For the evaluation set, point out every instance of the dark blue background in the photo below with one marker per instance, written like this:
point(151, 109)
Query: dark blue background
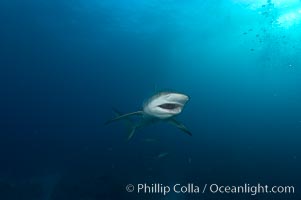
point(65, 64)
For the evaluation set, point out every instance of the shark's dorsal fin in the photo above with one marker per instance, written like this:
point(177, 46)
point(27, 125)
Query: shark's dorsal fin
point(124, 116)
point(179, 125)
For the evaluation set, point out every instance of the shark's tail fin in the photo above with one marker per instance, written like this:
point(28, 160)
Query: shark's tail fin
point(129, 122)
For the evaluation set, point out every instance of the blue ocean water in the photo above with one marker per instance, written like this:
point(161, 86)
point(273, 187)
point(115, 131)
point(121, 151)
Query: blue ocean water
point(65, 65)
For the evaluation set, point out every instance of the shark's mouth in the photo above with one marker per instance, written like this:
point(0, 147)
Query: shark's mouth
point(170, 106)
point(165, 105)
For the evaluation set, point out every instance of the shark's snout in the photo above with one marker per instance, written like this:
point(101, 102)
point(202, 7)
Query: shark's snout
point(166, 105)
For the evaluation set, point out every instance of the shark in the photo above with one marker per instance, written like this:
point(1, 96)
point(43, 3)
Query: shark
point(163, 106)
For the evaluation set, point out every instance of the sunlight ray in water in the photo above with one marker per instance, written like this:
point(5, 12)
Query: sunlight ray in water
point(256, 4)
point(287, 13)
point(289, 19)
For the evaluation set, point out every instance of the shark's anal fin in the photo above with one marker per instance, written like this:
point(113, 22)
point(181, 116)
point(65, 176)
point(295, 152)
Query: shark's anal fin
point(180, 126)
point(133, 129)
point(124, 116)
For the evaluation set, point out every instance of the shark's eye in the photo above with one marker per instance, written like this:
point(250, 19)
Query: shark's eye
point(169, 106)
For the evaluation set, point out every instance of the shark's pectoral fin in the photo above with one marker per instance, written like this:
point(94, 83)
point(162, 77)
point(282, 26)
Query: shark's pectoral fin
point(116, 112)
point(123, 116)
point(180, 126)
point(129, 122)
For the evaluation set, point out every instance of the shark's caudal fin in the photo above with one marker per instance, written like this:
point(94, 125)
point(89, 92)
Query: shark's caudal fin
point(129, 123)
point(180, 126)
point(125, 116)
